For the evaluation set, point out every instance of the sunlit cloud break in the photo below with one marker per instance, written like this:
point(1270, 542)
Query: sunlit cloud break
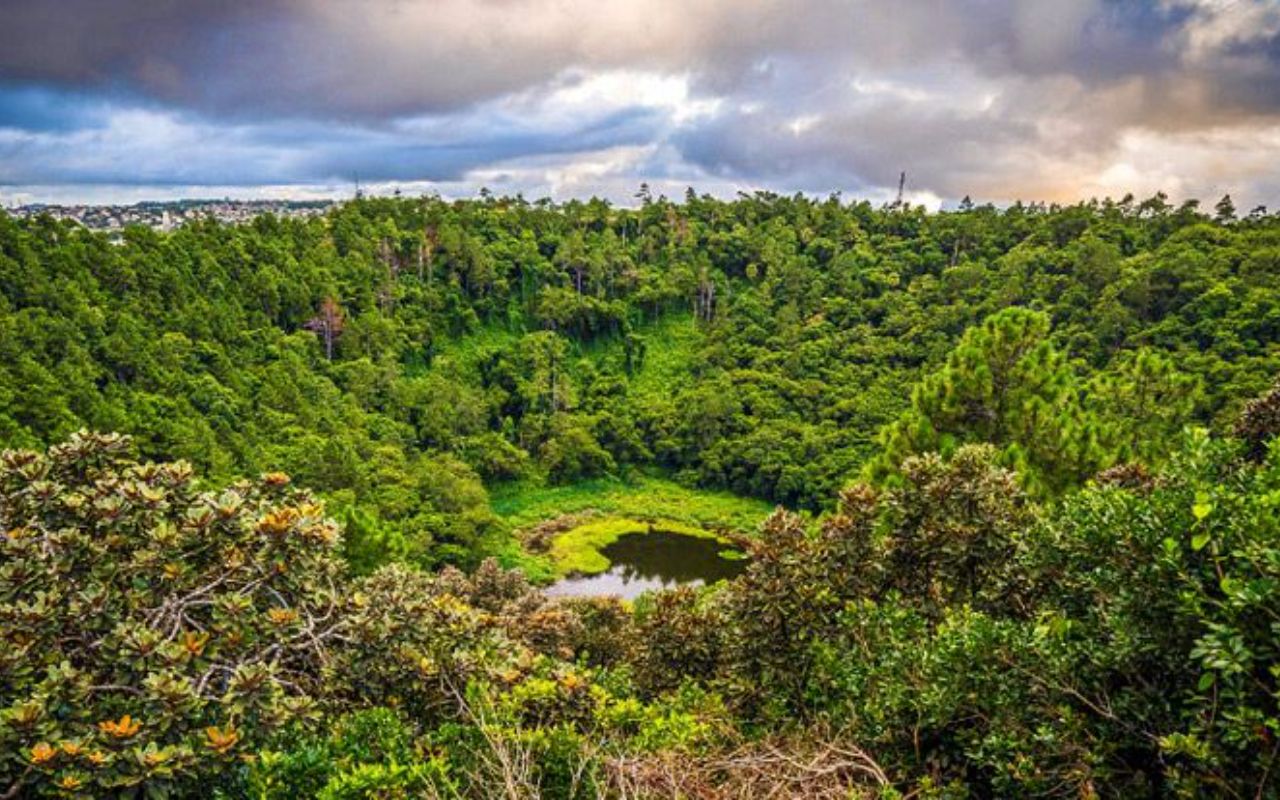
point(999, 100)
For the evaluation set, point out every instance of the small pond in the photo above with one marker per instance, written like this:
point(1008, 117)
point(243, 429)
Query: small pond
point(641, 562)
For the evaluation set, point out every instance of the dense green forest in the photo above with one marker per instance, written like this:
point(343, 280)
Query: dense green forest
point(398, 356)
point(1029, 542)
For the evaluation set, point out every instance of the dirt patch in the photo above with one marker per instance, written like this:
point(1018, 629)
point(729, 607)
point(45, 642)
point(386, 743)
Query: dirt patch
point(537, 538)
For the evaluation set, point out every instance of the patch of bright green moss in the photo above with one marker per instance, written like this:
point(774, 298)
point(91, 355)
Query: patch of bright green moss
point(577, 551)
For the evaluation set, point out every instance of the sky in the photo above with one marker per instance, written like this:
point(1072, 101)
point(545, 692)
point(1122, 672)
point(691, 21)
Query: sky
point(998, 100)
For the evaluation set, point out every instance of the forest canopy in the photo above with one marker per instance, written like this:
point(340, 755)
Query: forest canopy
point(399, 355)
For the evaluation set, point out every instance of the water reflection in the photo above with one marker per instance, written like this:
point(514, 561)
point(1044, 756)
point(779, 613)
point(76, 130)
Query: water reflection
point(642, 562)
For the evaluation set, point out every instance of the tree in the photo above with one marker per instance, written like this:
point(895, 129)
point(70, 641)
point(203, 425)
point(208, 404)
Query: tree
point(328, 323)
point(951, 529)
point(1142, 402)
point(1259, 423)
point(1005, 384)
point(571, 450)
point(1224, 210)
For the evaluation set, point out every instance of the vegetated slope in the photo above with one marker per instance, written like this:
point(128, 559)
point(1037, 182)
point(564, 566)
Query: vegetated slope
point(398, 355)
point(943, 636)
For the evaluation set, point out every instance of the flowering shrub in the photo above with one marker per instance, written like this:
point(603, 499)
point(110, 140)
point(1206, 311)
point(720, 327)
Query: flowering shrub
point(150, 632)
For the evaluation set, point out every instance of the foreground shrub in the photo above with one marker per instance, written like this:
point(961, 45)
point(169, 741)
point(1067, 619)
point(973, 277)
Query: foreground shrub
point(161, 640)
point(371, 753)
point(942, 536)
point(1135, 655)
point(152, 633)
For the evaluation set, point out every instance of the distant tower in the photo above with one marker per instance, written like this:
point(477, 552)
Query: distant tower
point(902, 184)
point(359, 191)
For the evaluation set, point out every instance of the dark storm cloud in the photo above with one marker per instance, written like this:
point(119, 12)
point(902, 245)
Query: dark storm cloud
point(394, 57)
point(393, 156)
point(170, 50)
point(252, 58)
point(142, 147)
point(37, 108)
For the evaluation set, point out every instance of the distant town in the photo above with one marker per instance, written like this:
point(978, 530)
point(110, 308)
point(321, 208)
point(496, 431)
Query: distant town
point(169, 215)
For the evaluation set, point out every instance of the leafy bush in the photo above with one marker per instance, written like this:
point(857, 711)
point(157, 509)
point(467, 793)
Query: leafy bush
point(940, 635)
point(371, 753)
point(158, 636)
point(153, 632)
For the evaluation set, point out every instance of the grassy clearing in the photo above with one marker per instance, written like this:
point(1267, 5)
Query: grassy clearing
point(644, 498)
point(671, 347)
point(672, 343)
point(538, 569)
point(466, 351)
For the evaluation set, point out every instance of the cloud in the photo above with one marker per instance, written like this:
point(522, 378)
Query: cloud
point(389, 58)
point(995, 98)
point(51, 137)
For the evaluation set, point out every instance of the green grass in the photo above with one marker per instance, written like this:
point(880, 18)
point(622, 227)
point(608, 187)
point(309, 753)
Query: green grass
point(643, 497)
point(671, 347)
point(465, 351)
point(538, 569)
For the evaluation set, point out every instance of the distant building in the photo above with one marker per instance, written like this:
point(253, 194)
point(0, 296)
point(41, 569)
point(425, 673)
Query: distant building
point(169, 215)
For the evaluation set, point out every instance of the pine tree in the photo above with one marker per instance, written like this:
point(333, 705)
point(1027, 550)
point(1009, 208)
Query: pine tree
point(1004, 384)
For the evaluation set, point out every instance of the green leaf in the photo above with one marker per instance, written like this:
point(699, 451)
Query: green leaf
point(1206, 680)
point(1199, 541)
point(1202, 509)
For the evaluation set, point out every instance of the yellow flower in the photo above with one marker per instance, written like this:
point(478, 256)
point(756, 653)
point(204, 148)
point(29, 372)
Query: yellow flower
point(123, 728)
point(276, 479)
point(42, 753)
point(72, 749)
point(571, 681)
point(282, 616)
point(70, 783)
point(194, 643)
point(97, 758)
point(278, 522)
point(221, 741)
